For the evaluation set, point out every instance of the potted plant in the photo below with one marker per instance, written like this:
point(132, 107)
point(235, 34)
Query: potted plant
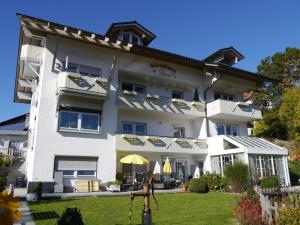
point(115, 186)
point(37, 190)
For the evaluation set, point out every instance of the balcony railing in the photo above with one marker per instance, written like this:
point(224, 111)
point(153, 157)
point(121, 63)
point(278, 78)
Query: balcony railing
point(84, 86)
point(13, 152)
point(138, 143)
point(234, 111)
point(31, 52)
point(133, 100)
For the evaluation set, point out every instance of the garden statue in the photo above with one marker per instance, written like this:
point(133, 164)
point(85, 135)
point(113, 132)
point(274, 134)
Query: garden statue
point(147, 184)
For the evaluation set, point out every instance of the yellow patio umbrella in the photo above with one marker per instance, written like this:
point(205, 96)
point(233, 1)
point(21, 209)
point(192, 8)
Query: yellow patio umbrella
point(134, 159)
point(167, 166)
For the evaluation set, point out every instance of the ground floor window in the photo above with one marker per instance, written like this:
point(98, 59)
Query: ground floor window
point(76, 167)
point(266, 165)
point(221, 161)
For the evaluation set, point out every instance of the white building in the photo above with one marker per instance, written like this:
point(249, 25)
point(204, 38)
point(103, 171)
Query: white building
point(95, 99)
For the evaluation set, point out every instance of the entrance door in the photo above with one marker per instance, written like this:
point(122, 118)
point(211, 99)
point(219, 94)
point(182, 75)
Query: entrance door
point(180, 171)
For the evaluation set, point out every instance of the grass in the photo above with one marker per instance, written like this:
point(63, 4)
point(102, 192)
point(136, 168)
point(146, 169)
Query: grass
point(181, 209)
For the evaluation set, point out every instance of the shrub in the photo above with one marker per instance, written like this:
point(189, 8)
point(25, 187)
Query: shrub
point(71, 216)
point(5, 161)
point(269, 182)
point(198, 185)
point(251, 192)
point(38, 189)
point(289, 213)
point(237, 176)
point(214, 181)
point(294, 169)
point(248, 211)
point(3, 182)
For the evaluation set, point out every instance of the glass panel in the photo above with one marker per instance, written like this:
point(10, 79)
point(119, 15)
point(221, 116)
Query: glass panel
point(68, 119)
point(139, 89)
point(220, 129)
point(234, 130)
point(217, 96)
point(86, 173)
point(180, 170)
point(127, 86)
point(90, 121)
point(126, 37)
point(68, 173)
point(135, 39)
point(177, 94)
point(72, 68)
point(86, 70)
point(140, 129)
point(228, 130)
point(179, 132)
point(216, 164)
point(127, 128)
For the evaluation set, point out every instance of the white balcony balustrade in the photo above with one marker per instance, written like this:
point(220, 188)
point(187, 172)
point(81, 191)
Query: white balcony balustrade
point(75, 84)
point(133, 100)
point(233, 111)
point(138, 143)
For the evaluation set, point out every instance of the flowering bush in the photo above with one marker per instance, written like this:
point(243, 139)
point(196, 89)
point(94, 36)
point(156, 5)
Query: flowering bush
point(248, 211)
point(214, 181)
point(289, 213)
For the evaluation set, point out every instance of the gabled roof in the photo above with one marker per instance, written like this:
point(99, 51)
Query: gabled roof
point(149, 36)
point(225, 55)
point(29, 23)
point(14, 124)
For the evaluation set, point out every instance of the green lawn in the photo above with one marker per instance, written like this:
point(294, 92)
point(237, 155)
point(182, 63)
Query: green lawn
point(181, 209)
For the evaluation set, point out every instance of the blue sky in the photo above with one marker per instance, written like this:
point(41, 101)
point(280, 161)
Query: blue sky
point(257, 28)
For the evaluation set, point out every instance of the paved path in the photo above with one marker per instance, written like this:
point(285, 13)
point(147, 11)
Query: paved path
point(26, 219)
point(22, 194)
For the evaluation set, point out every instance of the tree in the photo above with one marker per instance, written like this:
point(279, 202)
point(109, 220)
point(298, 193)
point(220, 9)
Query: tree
point(284, 66)
point(290, 103)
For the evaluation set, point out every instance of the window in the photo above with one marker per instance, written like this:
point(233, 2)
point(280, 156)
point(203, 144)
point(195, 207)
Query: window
point(223, 96)
point(134, 128)
point(133, 87)
point(140, 128)
point(128, 128)
point(86, 173)
point(131, 38)
point(83, 70)
point(227, 129)
point(81, 121)
point(177, 94)
point(179, 132)
point(69, 120)
point(89, 121)
point(69, 173)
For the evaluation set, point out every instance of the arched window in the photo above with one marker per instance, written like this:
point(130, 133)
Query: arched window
point(131, 38)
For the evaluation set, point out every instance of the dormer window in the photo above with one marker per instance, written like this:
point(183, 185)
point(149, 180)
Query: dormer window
point(131, 38)
point(131, 32)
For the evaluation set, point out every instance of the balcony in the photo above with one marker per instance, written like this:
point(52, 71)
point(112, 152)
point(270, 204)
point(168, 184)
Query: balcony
point(9, 152)
point(133, 100)
point(31, 52)
point(74, 84)
point(138, 143)
point(233, 111)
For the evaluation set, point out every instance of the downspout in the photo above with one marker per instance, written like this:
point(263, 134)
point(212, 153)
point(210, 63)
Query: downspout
point(205, 102)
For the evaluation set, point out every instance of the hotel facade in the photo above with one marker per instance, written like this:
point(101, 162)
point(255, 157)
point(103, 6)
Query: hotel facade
point(96, 98)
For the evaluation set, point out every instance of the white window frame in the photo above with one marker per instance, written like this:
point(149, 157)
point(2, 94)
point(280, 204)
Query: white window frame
point(134, 86)
point(130, 37)
point(78, 69)
point(222, 96)
point(134, 127)
point(79, 127)
point(75, 174)
point(225, 130)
